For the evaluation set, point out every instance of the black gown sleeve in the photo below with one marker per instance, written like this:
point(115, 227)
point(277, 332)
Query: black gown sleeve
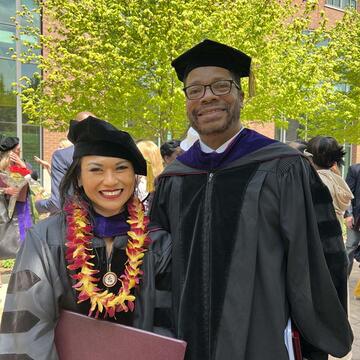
point(163, 323)
point(330, 235)
point(159, 212)
point(32, 303)
point(315, 257)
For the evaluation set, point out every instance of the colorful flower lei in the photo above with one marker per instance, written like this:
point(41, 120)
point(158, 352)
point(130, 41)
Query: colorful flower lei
point(79, 254)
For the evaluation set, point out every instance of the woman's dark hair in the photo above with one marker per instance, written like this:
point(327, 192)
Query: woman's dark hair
point(167, 148)
point(326, 151)
point(70, 184)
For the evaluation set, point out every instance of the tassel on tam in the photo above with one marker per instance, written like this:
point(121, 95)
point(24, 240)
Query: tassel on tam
point(252, 82)
point(150, 178)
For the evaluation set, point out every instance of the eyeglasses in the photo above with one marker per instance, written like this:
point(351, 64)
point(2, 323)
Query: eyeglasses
point(220, 87)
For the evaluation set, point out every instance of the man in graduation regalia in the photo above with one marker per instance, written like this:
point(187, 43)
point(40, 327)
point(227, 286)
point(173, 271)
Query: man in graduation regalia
point(255, 237)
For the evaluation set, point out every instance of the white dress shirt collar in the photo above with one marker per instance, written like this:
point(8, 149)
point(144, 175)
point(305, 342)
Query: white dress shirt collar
point(206, 149)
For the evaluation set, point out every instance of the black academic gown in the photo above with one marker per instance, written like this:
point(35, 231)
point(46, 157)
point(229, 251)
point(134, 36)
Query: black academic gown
point(249, 241)
point(40, 287)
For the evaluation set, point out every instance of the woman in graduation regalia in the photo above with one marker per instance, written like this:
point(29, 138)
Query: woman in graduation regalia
point(15, 198)
point(98, 256)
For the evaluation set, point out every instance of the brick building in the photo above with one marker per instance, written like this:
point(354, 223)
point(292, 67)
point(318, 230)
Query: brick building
point(334, 11)
point(41, 142)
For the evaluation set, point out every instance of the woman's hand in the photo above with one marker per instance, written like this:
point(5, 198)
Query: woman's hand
point(42, 162)
point(12, 191)
point(16, 160)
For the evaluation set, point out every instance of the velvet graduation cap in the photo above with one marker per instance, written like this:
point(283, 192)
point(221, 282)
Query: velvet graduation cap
point(93, 136)
point(8, 143)
point(212, 53)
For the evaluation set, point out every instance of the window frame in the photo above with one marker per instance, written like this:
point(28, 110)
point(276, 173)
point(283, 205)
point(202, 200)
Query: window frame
point(352, 4)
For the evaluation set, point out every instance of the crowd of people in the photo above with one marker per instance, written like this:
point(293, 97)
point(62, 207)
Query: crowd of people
point(227, 239)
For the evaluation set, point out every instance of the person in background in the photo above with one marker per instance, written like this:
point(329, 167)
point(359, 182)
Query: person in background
point(145, 185)
point(120, 269)
point(64, 143)
point(327, 156)
point(244, 212)
point(60, 163)
point(352, 214)
point(170, 150)
point(9, 229)
point(43, 163)
point(191, 137)
point(10, 155)
point(15, 158)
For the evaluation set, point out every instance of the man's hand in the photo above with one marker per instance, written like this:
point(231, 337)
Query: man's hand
point(349, 222)
point(16, 160)
point(12, 191)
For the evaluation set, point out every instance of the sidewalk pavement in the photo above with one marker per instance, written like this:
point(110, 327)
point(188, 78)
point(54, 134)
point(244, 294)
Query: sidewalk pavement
point(355, 311)
point(354, 308)
point(5, 279)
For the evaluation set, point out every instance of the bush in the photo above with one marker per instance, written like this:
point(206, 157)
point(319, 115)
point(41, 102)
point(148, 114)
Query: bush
point(7, 264)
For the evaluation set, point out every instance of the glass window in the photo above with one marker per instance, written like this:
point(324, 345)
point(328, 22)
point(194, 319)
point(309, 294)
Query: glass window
point(289, 134)
point(7, 77)
point(7, 98)
point(280, 134)
point(7, 125)
point(31, 5)
point(7, 10)
point(342, 87)
point(341, 4)
point(347, 160)
point(31, 134)
point(29, 70)
point(27, 41)
point(6, 39)
point(292, 131)
point(32, 72)
point(31, 144)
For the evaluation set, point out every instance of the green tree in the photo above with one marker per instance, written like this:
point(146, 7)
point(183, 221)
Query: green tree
point(343, 119)
point(113, 58)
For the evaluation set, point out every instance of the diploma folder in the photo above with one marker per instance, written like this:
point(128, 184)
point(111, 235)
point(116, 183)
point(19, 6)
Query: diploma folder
point(79, 337)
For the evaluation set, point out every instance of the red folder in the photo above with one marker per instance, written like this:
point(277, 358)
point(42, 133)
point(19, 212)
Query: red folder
point(79, 337)
point(296, 344)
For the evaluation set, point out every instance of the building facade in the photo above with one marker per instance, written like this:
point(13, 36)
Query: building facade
point(41, 142)
point(334, 11)
point(12, 121)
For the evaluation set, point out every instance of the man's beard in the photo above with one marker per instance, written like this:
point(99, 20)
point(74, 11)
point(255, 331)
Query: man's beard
point(233, 117)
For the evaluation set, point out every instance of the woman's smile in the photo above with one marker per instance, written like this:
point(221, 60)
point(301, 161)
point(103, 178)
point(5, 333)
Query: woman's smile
point(111, 194)
point(108, 182)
